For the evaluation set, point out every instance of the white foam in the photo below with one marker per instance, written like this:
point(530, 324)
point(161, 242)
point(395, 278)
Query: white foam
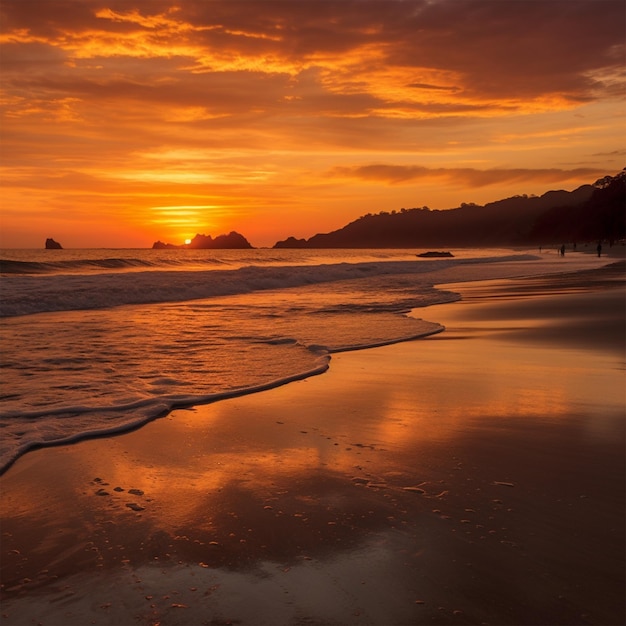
point(26, 295)
point(94, 354)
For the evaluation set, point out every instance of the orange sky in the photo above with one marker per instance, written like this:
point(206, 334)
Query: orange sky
point(129, 121)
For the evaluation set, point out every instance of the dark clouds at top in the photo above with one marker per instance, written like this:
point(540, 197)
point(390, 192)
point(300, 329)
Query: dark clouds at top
point(512, 48)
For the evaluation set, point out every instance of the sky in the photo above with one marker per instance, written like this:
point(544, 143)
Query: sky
point(125, 122)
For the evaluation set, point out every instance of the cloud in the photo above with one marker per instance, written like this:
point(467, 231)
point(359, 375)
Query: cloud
point(462, 176)
point(418, 54)
point(613, 153)
point(284, 97)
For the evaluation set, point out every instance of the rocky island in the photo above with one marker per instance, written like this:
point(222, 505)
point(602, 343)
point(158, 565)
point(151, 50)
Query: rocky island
point(51, 244)
point(434, 254)
point(205, 242)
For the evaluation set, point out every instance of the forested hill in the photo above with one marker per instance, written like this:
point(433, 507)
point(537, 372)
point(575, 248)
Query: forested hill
point(589, 213)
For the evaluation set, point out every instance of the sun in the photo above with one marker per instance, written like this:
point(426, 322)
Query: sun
point(187, 242)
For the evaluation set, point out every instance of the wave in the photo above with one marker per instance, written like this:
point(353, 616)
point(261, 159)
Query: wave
point(11, 266)
point(99, 421)
point(111, 420)
point(26, 295)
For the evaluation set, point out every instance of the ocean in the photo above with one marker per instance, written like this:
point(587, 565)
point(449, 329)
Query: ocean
point(97, 342)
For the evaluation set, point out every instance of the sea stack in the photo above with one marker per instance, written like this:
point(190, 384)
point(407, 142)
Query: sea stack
point(51, 244)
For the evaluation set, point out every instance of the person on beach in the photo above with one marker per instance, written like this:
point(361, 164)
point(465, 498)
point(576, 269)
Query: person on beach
point(563, 250)
point(599, 248)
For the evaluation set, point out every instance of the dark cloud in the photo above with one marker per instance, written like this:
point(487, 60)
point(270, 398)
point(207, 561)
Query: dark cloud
point(512, 49)
point(429, 87)
point(19, 59)
point(466, 177)
point(516, 48)
point(227, 92)
point(46, 19)
point(613, 153)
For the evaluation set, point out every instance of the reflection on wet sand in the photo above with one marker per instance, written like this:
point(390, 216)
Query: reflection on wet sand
point(471, 477)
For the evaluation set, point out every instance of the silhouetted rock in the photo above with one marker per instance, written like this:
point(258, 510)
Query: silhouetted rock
point(435, 254)
point(159, 245)
point(232, 240)
point(205, 242)
point(292, 242)
point(51, 244)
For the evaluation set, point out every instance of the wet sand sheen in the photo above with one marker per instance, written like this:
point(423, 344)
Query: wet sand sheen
point(476, 476)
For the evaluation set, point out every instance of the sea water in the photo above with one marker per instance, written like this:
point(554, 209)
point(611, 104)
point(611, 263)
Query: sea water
point(101, 341)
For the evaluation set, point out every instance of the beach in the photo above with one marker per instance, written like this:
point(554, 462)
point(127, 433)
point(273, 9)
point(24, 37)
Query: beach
point(475, 476)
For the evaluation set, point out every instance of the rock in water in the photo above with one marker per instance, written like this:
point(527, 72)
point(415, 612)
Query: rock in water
point(51, 244)
point(435, 254)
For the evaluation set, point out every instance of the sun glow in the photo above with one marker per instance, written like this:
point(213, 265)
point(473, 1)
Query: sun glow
point(254, 125)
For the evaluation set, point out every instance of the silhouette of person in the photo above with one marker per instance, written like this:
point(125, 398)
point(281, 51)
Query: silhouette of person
point(563, 250)
point(599, 248)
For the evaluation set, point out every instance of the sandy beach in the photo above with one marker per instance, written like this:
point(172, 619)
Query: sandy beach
point(473, 477)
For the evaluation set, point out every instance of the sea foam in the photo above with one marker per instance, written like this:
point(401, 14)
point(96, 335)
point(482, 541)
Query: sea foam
point(99, 353)
point(29, 294)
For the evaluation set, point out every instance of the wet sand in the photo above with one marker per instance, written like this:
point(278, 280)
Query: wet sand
point(473, 477)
